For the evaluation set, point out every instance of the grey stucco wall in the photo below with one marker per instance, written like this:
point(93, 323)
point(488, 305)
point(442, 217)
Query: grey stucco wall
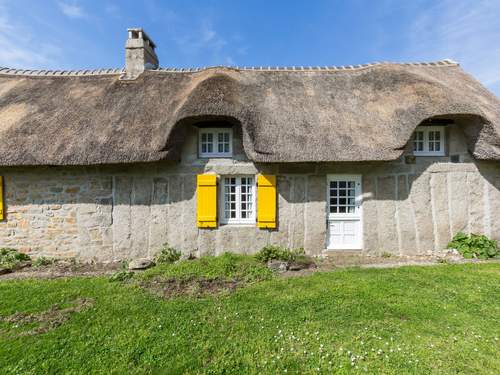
point(118, 212)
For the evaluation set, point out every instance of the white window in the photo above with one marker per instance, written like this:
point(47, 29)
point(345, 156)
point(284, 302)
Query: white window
point(342, 196)
point(238, 200)
point(429, 141)
point(215, 142)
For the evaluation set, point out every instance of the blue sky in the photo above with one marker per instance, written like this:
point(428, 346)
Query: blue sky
point(77, 34)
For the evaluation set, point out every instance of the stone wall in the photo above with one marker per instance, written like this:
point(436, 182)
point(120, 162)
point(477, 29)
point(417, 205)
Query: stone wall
point(117, 212)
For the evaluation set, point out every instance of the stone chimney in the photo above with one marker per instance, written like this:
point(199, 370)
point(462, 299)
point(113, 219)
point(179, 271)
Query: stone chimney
point(140, 53)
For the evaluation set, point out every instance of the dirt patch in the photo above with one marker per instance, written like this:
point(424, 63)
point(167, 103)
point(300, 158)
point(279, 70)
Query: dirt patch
point(337, 262)
point(62, 269)
point(194, 287)
point(47, 320)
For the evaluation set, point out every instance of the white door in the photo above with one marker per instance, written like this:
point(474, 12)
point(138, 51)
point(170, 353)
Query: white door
point(345, 230)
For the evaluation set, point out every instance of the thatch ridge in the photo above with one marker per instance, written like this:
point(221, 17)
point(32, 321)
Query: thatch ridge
point(104, 71)
point(357, 113)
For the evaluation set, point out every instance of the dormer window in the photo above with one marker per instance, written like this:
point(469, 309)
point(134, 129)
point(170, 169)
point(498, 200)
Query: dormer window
point(429, 141)
point(215, 142)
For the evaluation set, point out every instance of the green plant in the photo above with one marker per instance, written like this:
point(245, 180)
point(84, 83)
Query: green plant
point(121, 276)
point(386, 254)
point(275, 252)
point(10, 258)
point(43, 261)
point(474, 246)
point(167, 255)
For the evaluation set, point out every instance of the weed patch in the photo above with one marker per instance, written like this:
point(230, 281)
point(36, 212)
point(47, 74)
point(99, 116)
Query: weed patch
point(474, 246)
point(203, 276)
point(11, 258)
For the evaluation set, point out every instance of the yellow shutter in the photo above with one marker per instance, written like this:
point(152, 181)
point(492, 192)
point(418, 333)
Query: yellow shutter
point(207, 200)
point(266, 198)
point(2, 215)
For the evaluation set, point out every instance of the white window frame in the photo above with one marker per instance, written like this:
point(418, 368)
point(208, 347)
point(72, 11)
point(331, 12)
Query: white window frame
point(426, 130)
point(238, 219)
point(215, 142)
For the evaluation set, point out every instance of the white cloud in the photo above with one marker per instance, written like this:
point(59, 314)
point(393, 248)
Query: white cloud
point(19, 49)
point(113, 10)
point(465, 31)
point(72, 10)
point(203, 40)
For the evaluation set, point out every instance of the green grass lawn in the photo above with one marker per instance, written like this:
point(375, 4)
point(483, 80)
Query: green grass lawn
point(412, 320)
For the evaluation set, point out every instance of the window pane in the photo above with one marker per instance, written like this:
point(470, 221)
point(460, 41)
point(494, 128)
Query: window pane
point(229, 197)
point(343, 200)
point(223, 142)
point(418, 141)
point(238, 198)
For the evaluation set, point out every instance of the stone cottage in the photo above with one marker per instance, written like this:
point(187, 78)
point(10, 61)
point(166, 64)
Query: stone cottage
point(111, 164)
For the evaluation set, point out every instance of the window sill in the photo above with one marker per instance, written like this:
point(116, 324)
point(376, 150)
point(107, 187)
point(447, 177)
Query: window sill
point(239, 224)
point(216, 156)
point(428, 154)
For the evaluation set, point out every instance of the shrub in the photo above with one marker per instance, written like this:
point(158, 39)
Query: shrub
point(474, 246)
point(121, 276)
point(43, 261)
point(274, 252)
point(167, 255)
point(10, 258)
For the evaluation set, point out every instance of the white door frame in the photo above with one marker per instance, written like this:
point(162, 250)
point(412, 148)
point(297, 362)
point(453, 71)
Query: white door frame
point(342, 217)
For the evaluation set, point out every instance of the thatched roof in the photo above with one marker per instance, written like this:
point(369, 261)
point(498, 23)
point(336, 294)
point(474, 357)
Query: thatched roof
point(286, 114)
